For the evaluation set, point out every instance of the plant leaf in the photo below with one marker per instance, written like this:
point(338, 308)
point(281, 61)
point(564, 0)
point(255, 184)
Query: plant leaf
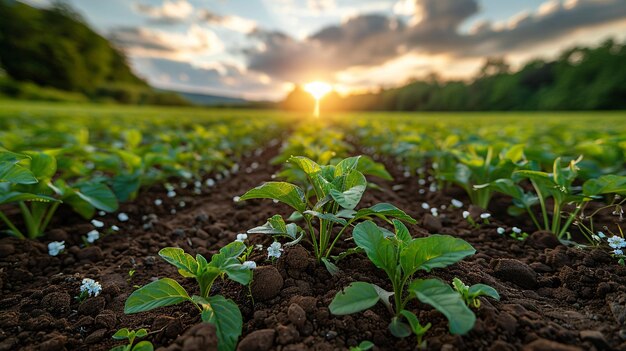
point(328, 217)
point(608, 184)
point(349, 198)
point(445, 300)
point(143, 346)
point(286, 193)
point(121, 334)
point(435, 251)
point(99, 196)
point(368, 236)
point(305, 164)
point(484, 290)
point(356, 297)
point(398, 328)
point(15, 196)
point(160, 293)
point(186, 264)
point(226, 317)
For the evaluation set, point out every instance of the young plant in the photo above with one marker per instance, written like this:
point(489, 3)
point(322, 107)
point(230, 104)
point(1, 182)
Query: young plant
point(336, 192)
point(215, 309)
point(556, 185)
point(26, 179)
point(131, 335)
point(471, 294)
point(363, 346)
point(474, 168)
point(401, 257)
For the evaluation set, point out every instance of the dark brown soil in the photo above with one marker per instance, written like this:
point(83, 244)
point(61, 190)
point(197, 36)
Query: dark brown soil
point(553, 297)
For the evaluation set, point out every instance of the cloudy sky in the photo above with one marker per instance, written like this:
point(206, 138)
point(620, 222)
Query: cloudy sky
point(258, 48)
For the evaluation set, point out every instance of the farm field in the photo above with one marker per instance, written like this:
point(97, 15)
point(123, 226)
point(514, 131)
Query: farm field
point(98, 192)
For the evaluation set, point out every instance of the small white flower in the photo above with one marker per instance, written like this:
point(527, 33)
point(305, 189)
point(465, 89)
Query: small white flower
point(102, 213)
point(171, 193)
point(456, 203)
point(258, 247)
point(601, 235)
point(422, 191)
point(274, 250)
point(122, 217)
point(406, 174)
point(241, 237)
point(115, 228)
point(466, 214)
point(616, 242)
point(91, 286)
point(425, 206)
point(434, 211)
point(500, 230)
point(618, 252)
point(595, 237)
point(485, 215)
point(56, 247)
point(209, 182)
point(96, 223)
point(421, 182)
point(93, 236)
point(197, 184)
point(182, 204)
point(250, 264)
point(516, 230)
point(254, 165)
point(158, 202)
point(432, 188)
point(443, 207)
point(236, 198)
point(173, 211)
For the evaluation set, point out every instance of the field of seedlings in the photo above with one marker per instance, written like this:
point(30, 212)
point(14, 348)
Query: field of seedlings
point(137, 228)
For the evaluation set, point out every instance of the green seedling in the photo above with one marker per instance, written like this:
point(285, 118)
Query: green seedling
point(401, 257)
point(337, 191)
point(363, 346)
point(471, 294)
point(416, 327)
point(557, 185)
point(26, 180)
point(476, 167)
point(214, 309)
point(131, 335)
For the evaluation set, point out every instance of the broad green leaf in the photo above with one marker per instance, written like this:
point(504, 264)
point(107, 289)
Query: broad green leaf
point(515, 153)
point(484, 290)
point(226, 317)
point(368, 236)
point(42, 165)
point(286, 193)
point(99, 196)
point(398, 328)
point(160, 293)
point(143, 346)
point(305, 164)
point(346, 165)
point(141, 333)
point(10, 172)
point(608, 184)
point(445, 300)
point(133, 138)
point(205, 278)
point(125, 186)
point(356, 297)
point(121, 334)
point(368, 166)
point(504, 186)
point(119, 348)
point(16, 196)
point(435, 251)
point(186, 264)
point(365, 345)
point(402, 232)
point(415, 324)
point(349, 198)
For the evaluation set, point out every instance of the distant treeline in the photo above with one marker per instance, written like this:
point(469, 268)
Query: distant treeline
point(579, 79)
point(51, 54)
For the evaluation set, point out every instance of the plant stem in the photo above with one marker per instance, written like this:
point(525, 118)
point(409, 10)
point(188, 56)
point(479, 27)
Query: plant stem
point(29, 220)
point(569, 221)
point(542, 202)
point(313, 238)
point(10, 224)
point(49, 215)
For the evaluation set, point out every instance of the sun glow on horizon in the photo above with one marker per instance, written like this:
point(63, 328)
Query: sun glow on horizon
point(318, 90)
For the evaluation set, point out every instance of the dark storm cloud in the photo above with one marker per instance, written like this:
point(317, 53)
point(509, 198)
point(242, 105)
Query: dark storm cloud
point(369, 40)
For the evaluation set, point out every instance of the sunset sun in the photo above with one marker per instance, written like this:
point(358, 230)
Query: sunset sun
point(318, 90)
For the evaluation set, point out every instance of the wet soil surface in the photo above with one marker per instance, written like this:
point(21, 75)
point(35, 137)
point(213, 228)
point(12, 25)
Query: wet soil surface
point(553, 297)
